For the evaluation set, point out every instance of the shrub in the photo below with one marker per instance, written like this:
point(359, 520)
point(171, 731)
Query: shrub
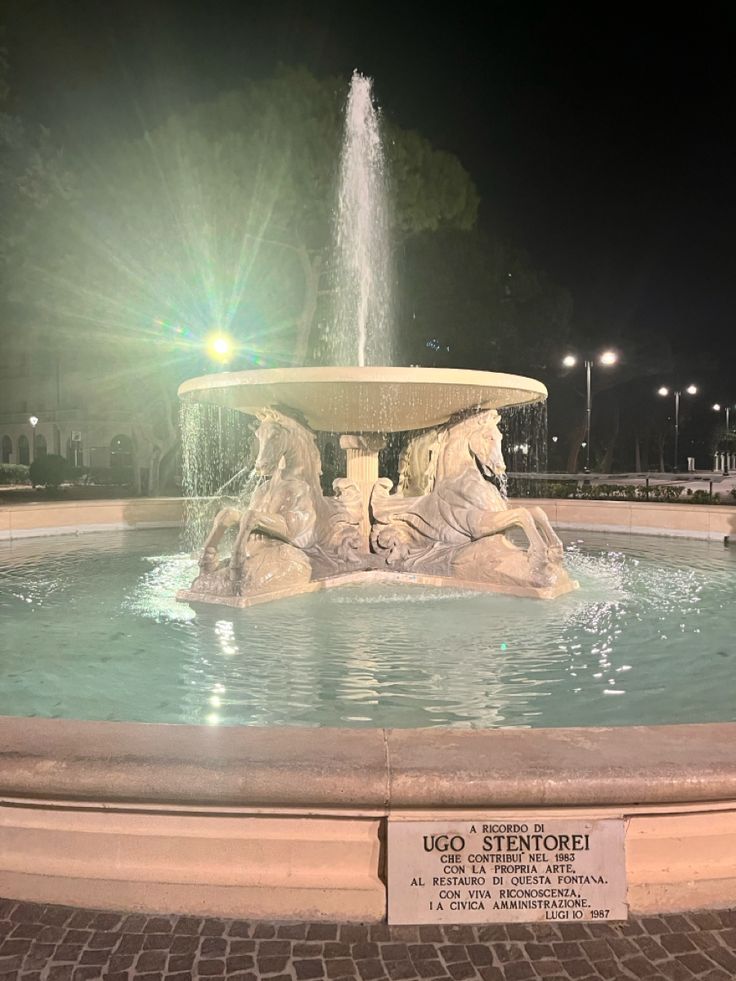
point(109, 476)
point(703, 497)
point(49, 470)
point(14, 473)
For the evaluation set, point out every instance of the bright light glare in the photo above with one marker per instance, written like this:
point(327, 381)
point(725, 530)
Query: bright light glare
point(569, 361)
point(716, 407)
point(33, 421)
point(609, 357)
point(555, 438)
point(220, 347)
point(663, 391)
point(692, 390)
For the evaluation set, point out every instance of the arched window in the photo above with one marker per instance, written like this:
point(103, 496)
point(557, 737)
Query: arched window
point(24, 453)
point(39, 446)
point(7, 449)
point(121, 451)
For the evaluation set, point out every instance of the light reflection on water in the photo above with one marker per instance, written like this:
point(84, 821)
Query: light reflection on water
point(90, 629)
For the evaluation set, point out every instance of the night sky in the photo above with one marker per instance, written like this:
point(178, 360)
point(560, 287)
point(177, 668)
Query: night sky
point(601, 138)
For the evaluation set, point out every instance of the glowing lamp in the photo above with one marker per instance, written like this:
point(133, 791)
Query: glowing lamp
point(220, 347)
point(692, 390)
point(609, 357)
point(569, 361)
point(663, 391)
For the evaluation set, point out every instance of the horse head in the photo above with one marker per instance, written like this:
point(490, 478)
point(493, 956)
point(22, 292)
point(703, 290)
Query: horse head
point(473, 442)
point(285, 444)
point(485, 444)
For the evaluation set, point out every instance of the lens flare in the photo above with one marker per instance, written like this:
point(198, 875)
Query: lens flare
point(220, 347)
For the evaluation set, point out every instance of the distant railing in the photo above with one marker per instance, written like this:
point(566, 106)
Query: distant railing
point(688, 488)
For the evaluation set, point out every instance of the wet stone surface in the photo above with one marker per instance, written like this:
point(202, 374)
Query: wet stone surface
point(55, 943)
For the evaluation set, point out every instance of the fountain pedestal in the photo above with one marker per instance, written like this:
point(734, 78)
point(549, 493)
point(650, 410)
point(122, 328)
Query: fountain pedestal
point(362, 470)
point(444, 525)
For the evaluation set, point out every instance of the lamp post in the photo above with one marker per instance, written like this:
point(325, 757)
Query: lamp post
point(607, 358)
point(34, 422)
point(220, 347)
point(717, 408)
point(664, 391)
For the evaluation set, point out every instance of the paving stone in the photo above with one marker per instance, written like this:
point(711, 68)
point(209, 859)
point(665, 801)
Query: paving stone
point(370, 969)
point(243, 962)
point(309, 968)
point(362, 950)
point(461, 970)
point(181, 962)
point(491, 973)
point(306, 950)
point(480, 954)
point(518, 971)
point(492, 933)
point(45, 943)
point(536, 952)
point(322, 931)
point(188, 924)
point(151, 960)
point(181, 944)
point(289, 931)
point(576, 968)
point(243, 946)
point(340, 967)
point(120, 962)
point(509, 952)
point(400, 952)
point(428, 968)
point(400, 970)
point(215, 928)
point(725, 958)
point(271, 965)
point(94, 957)
point(548, 968)
point(211, 967)
point(333, 948)
point(106, 921)
point(213, 947)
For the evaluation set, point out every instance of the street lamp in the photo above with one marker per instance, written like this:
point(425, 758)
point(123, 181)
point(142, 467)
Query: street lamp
point(220, 347)
point(607, 358)
point(34, 422)
point(691, 390)
point(717, 408)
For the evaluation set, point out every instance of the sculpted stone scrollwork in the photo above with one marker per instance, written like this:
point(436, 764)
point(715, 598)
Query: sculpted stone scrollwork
point(446, 520)
point(291, 533)
point(450, 513)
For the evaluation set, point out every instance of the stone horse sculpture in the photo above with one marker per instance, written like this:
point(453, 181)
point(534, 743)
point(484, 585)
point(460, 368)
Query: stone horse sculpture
point(290, 533)
point(454, 528)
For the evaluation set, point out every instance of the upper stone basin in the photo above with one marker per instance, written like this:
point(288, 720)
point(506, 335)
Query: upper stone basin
point(372, 399)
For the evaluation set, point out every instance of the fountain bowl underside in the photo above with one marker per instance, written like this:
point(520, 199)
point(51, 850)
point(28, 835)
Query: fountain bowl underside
point(365, 399)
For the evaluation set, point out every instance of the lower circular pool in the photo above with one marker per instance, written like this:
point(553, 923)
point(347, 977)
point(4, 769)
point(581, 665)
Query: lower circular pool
point(90, 629)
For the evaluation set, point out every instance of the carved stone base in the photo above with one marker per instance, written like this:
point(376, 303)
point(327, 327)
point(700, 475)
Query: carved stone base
point(374, 577)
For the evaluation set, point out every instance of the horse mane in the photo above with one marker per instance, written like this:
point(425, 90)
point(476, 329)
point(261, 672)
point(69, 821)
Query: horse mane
point(442, 437)
point(307, 450)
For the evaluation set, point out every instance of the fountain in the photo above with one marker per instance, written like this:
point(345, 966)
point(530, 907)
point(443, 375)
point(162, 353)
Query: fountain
point(249, 765)
point(445, 523)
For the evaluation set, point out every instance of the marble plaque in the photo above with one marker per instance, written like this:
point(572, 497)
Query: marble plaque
point(520, 870)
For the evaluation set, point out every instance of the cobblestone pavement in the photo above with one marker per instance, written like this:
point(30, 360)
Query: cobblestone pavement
point(54, 943)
